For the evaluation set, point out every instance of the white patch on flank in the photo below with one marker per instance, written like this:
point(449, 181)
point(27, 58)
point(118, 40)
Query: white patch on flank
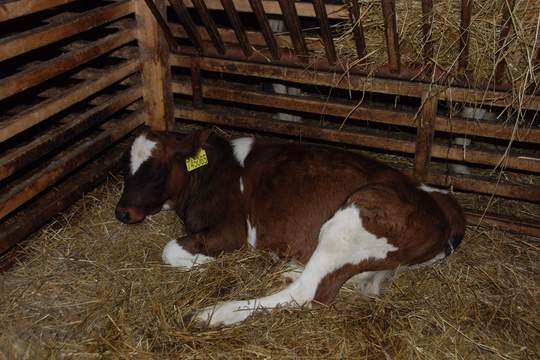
point(175, 255)
point(241, 148)
point(431, 189)
point(342, 240)
point(251, 234)
point(241, 185)
point(141, 150)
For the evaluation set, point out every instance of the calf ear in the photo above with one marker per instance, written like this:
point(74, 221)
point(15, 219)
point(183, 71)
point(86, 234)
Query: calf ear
point(194, 141)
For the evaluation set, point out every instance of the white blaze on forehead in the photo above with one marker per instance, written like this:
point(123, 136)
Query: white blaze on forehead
point(141, 150)
point(431, 189)
point(241, 185)
point(241, 148)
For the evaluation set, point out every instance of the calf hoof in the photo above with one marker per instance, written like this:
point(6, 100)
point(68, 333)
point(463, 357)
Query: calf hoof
point(193, 321)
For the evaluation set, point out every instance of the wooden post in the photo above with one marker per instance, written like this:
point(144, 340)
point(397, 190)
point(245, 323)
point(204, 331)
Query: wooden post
point(427, 23)
point(424, 137)
point(506, 25)
point(358, 28)
point(391, 35)
point(196, 82)
point(466, 9)
point(155, 69)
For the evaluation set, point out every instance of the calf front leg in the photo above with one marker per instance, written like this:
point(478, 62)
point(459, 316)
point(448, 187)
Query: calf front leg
point(200, 248)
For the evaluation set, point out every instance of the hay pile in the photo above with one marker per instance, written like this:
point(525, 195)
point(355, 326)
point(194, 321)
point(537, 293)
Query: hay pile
point(485, 52)
point(88, 287)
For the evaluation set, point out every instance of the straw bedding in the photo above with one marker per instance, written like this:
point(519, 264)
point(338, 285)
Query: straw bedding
point(88, 287)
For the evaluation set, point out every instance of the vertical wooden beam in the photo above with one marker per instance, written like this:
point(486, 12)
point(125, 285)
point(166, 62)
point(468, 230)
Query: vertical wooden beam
point(258, 10)
point(424, 137)
point(187, 22)
point(466, 9)
point(155, 69)
point(173, 45)
point(210, 25)
point(322, 17)
point(293, 25)
point(236, 23)
point(391, 35)
point(427, 23)
point(358, 28)
point(506, 25)
point(196, 82)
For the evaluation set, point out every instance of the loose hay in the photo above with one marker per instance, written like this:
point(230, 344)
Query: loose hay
point(90, 288)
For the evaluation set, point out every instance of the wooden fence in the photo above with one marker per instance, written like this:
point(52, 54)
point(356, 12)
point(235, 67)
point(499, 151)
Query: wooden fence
point(71, 88)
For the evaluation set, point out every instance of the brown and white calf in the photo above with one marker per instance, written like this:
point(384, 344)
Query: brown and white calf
point(339, 213)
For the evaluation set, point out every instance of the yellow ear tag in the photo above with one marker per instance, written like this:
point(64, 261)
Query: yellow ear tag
point(196, 161)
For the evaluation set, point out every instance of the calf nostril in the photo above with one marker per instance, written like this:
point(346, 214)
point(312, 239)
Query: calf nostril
point(122, 215)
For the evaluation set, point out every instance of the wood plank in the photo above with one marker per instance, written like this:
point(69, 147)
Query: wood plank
point(45, 109)
point(210, 25)
point(326, 35)
point(196, 83)
point(506, 25)
point(304, 8)
point(358, 29)
point(391, 35)
point(238, 27)
point(466, 10)
point(238, 93)
point(17, 8)
point(354, 81)
point(293, 25)
point(187, 22)
point(266, 30)
point(254, 38)
point(155, 68)
point(476, 184)
point(47, 205)
point(425, 134)
point(514, 224)
point(160, 18)
point(358, 136)
point(48, 69)
point(427, 23)
point(17, 158)
point(66, 162)
point(32, 39)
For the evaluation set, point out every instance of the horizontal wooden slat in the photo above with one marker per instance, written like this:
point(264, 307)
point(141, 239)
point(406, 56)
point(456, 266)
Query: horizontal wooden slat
point(52, 106)
point(18, 157)
point(66, 162)
point(32, 39)
point(224, 116)
point(272, 7)
point(49, 204)
point(357, 82)
point(241, 94)
point(12, 9)
point(514, 224)
point(48, 69)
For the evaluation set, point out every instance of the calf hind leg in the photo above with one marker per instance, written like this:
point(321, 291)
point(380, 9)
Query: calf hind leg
point(344, 249)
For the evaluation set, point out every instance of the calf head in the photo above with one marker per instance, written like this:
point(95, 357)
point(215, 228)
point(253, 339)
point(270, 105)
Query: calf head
point(155, 172)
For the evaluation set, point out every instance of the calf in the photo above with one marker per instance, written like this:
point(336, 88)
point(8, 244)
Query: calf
point(339, 213)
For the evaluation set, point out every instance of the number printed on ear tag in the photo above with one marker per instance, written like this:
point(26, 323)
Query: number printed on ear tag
point(196, 161)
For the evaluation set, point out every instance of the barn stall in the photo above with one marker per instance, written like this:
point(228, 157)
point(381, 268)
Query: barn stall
point(445, 90)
